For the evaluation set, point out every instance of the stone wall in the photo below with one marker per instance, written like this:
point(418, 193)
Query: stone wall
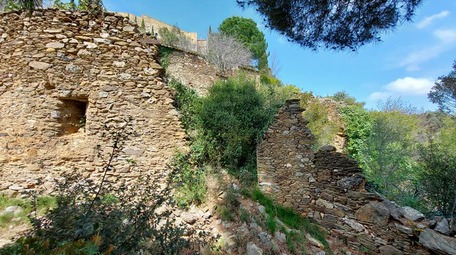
point(151, 23)
point(328, 187)
point(64, 76)
point(192, 70)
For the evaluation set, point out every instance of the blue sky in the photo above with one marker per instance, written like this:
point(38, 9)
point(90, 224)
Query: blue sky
point(405, 64)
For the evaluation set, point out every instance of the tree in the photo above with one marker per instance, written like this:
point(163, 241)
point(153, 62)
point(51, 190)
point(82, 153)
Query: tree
point(233, 117)
point(226, 52)
point(337, 24)
point(143, 24)
point(20, 4)
point(246, 32)
point(444, 92)
point(439, 169)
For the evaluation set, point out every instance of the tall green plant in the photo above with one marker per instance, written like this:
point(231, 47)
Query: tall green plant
point(358, 125)
point(389, 155)
point(233, 117)
point(319, 123)
point(439, 169)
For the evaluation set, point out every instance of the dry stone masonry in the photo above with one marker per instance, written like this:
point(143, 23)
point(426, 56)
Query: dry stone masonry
point(64, 76)
point(328, 187)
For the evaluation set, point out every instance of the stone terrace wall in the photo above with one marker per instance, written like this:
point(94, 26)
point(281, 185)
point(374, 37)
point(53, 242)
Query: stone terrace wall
point(328, 187)
point(193, 71)
point(57, 66)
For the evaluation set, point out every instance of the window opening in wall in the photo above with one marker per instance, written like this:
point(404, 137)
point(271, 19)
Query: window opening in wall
point(72, 115)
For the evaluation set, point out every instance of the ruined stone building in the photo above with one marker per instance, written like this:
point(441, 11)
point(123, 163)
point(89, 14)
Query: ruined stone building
point(328, 187)
point(64, 78)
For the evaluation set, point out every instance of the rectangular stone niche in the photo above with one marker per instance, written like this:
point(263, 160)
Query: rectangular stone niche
point(72, 115)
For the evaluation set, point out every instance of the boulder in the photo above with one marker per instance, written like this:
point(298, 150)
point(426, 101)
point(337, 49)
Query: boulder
point(438, 243)
point(374, 212)
point(411, 213)
point(389, 250)
point(252, 249)
point(442, 226)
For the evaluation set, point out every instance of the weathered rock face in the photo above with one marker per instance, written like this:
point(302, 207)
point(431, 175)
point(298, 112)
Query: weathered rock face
point(192, 70)
point(63, 77)
point(328, 186)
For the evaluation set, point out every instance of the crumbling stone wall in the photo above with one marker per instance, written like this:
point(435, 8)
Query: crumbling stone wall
point(63, 77)
point(328, 186)
point(192, 70)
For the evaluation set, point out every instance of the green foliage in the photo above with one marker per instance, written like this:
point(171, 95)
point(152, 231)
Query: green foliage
point(33, 245)
point(41, 205)
point(189, 181)
point(388, 155)
point(143, 24)
point(233, 118)
point(444, 92)
point(275, 92)
point(322, 128)
point(174, 38)
point(169, 37)
point(439, 170)
point(94, 7)
point(289, 218)
point(64, 6)
point(246, 31)
point(23, 4)
point(187, 102)
point(333, 25)
point(358, 125)
point(342, 96)
point(164, 53)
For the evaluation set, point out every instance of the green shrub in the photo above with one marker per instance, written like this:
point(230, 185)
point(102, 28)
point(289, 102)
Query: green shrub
point(438, 160)
point(388, 155)
point(358, 125)
point(41, 205)
point(233, 118)
point(323, 129)
point(342, 96)
point(289, 218)
point(189, 181)
point(187, 102)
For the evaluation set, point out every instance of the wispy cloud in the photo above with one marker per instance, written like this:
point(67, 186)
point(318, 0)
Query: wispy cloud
point(407, 86)
point(446, 41)
point(429, 19)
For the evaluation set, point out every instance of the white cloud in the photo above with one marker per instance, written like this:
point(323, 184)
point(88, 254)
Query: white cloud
point(410, 86)
point(429, 19)
point(446, 36)
point(447, 41)
point(407, 86)
point(379, 95)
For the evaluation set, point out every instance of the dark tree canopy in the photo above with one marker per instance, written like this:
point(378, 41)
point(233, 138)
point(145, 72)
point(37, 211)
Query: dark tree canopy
point(444, 92)
point(333, 24)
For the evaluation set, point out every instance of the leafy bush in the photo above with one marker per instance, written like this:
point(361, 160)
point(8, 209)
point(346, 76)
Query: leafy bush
point(187, 102)
point(40, 204)
point(323, 129)
point(232, 119)
point(342, 96)
point(358, 125)
point(388, 156)
point(290, 219)
point(189, 181)
point(439, 170)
